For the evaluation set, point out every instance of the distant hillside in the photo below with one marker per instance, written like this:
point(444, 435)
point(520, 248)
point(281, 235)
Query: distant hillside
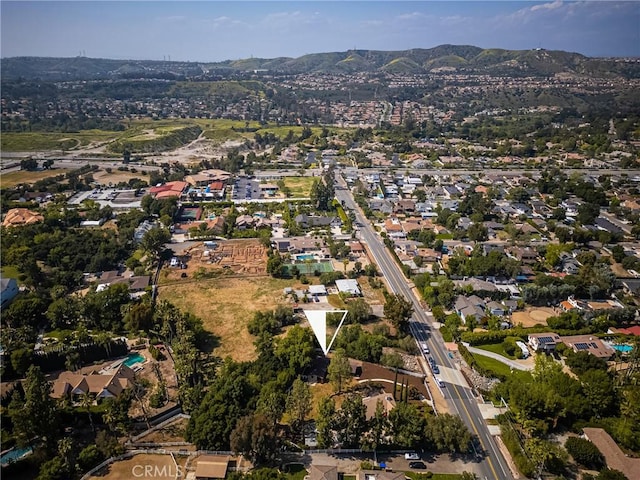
point(463, 58)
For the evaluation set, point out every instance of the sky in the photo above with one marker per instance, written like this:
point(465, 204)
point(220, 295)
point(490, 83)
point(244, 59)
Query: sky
point(211, 31)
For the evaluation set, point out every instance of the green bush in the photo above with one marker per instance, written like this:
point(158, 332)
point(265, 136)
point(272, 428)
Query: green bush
point(585, 453)
point(510, 438)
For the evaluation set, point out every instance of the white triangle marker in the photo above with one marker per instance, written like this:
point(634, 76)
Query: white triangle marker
point(318, 321)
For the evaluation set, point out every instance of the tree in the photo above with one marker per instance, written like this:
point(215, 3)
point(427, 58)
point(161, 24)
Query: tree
point(38, 415)
point(584, 452)
point(610, 474)
point(325, 422)
point(359, 311)
point(296, 350)
point(154, 240)
point(478, 232)
point(89, 457)
point(298, 404)
point(54, 469)
point(407, 425)
point(351, 422)
point(255, 437)
point(448, 433)
point(29, 164)
point(378, 427)
point(398, 310)
point(271, 401)
point(339, 371)
point(86, 400)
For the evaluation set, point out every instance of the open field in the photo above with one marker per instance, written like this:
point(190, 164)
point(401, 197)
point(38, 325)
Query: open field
point(116, 176)
point(162, 467)
point(35, 141)
point(532, 316)
point(300, 186)
point(225, 305)
point(11, 179)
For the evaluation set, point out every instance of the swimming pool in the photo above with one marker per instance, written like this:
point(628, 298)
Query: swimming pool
point(134, 358)
point(623, 348)
point(14, 455)
point(305, 256)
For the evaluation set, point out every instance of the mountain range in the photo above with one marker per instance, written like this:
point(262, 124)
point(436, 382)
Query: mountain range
point(461, 58)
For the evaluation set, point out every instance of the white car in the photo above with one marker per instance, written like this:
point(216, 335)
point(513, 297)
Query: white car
point(424, 348)
point(411, 456)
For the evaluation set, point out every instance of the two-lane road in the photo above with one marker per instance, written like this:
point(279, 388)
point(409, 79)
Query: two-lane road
point(457, 393)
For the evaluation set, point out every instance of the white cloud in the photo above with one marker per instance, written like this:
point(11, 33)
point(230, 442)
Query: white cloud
point(548, 6)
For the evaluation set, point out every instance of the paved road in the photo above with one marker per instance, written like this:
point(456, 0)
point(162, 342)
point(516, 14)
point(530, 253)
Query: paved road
point(457, 393)
point(500, 358)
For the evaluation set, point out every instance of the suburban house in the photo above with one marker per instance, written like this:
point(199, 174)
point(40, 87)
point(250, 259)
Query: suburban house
point(317, 371)
point(136, 284)
point(371, 403)
point(98, 385)
point(615, 458)
point(21, 216)
point(544, 342)
point(142, 229)
point(349, 286)
point(587, 343)
point(322, 472)
point(9, 290)
point(209, 467)
point(469, 306)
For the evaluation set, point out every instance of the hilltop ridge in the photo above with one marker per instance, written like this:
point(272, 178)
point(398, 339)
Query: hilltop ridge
point(463, 58)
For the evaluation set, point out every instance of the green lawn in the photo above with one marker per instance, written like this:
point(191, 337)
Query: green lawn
point(493, 365)
point(295, 471)
point(496, 348)
point(10, 272)
point(300, 186)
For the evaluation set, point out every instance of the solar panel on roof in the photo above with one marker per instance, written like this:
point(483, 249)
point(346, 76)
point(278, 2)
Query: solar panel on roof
point(582, 346)
point(545, 339)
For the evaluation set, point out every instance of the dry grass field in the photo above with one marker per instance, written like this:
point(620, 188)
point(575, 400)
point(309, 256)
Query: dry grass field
point(225, 305)
point(532, 316)
point(12, 179)
point(159, 467)
point(116, 176)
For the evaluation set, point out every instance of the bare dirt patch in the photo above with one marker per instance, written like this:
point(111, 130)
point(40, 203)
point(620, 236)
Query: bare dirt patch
point(162, 467)
point(226, 305)
point(242, 256)
point(116, 176)
point(173, 432)
point(532, 316)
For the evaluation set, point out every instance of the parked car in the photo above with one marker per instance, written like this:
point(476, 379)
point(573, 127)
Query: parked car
point(440, 382)
point(417, 465)
point(424, 348)
point(411, 456)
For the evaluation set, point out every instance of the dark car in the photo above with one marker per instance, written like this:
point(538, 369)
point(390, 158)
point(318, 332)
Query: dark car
point(417, 465)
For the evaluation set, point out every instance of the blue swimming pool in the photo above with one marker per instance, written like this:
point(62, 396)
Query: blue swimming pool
point(623, 348)
point(15, 455)
point(134, 358)
point(305, 256)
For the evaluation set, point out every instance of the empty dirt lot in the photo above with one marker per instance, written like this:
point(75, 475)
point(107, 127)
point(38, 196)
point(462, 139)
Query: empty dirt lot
point(241, 256)
point(533, 316)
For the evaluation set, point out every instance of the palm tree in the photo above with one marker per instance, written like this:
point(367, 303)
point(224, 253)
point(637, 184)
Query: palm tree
point(86, 401)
